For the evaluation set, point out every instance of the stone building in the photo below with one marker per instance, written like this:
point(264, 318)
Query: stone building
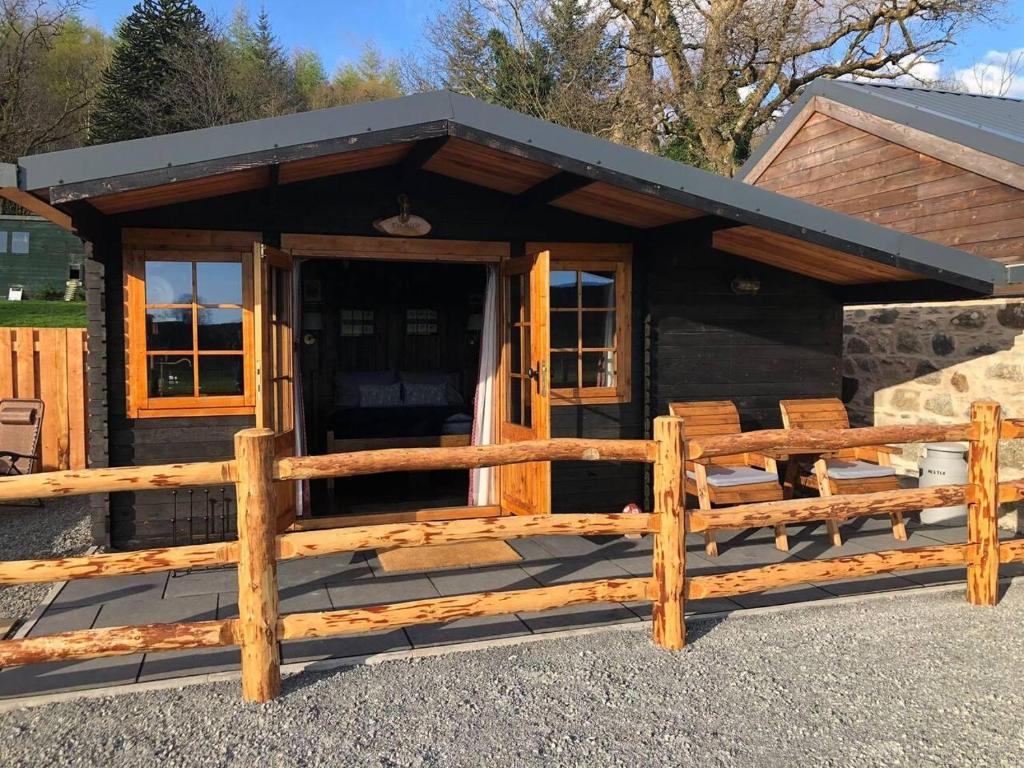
point(947, 167)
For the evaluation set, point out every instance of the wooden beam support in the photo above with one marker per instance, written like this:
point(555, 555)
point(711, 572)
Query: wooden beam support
point(118, 641)
point(669, 563)
point(849, 567)
point(461, 457)
point(257, 566)
point(1011, 551)
point(1011, 492)
point(33, 204)
point(352, 621)
point(817, 441)
point(552, 188)
point(419, 156)
point(840, 507)
point(1012, 429)
point(316, 543)
point(81, 482)
point(983, 510)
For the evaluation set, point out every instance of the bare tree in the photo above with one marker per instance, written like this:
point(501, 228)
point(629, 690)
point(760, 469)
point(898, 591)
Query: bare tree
point(50, 66)
point(732, 65)
point(996, 75)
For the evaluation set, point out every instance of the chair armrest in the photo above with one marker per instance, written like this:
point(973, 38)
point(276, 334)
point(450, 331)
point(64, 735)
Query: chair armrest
point(762, 461)
point(879, 454)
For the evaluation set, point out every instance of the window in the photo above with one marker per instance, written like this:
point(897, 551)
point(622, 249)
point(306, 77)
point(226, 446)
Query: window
point(189, 333)
point(590, 321)
point(19, 242)
point(357, 322)
point(3, 242)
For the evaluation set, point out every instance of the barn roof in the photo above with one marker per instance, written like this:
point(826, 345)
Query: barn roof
point(491, 146)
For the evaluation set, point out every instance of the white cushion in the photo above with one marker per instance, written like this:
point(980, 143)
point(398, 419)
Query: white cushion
point(724, 477)
point(839, 469)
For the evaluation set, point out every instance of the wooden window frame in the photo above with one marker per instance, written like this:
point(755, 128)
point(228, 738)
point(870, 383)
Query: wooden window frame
point(600, 257)
point(139, 403)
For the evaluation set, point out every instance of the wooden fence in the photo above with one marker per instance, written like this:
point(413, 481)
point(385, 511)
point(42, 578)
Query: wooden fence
point(48, 364)
point(260, 627)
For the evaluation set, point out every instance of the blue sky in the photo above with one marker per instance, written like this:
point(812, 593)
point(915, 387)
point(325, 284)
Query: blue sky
point(339, 29)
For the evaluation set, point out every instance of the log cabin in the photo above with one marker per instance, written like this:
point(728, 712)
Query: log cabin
point(434, 270)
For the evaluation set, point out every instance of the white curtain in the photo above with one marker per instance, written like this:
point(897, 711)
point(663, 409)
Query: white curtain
point(481, 481)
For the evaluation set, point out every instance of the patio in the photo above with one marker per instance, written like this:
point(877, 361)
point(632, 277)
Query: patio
point(351, 580)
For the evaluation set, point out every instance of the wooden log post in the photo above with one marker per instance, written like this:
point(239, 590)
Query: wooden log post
point(982, 528)
point(257, 566)
point(669, 542)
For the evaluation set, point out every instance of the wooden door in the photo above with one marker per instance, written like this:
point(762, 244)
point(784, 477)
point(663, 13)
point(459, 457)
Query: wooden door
point(275, 360)
point(525, 489)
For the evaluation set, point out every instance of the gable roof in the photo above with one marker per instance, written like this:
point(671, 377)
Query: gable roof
point(61, 178)
point(993, 125)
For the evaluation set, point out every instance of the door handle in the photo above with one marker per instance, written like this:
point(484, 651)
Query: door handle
point(540, 375)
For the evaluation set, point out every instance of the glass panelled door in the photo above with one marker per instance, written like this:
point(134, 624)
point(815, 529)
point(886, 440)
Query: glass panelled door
point(275, 356)
point(525, 407)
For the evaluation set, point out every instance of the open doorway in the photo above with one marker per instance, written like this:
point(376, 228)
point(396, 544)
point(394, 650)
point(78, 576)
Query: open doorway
point(390, 355)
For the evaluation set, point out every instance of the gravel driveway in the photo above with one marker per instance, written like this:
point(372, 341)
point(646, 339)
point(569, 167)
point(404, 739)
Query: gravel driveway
point(58, 529)
point(914, 680)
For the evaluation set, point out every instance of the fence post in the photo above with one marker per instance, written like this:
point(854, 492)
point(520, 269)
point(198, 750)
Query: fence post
point(982, 528)
point(257, 565)
point(669, 543)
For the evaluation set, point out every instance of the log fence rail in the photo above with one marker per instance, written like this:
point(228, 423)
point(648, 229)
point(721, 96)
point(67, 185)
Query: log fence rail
point(260, 628)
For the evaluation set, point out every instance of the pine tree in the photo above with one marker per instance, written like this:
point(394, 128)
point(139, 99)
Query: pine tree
point(132, 102)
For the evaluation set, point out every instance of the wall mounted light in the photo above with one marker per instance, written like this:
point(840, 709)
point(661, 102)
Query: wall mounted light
point(745, 286)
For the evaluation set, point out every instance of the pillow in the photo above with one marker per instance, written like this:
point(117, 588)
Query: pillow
point(425, 394)
point(346, 385)
point(450, 380)
point(380, 395)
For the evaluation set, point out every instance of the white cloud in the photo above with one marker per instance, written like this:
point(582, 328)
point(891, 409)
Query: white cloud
point(998, 73)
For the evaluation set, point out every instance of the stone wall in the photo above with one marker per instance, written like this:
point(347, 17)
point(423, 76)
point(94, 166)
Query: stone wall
point(926, 363)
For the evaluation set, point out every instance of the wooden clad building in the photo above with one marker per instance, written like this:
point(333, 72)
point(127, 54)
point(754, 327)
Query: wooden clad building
point(240, 275)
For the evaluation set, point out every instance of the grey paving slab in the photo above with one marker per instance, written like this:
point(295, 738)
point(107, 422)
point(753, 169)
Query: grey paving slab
point(577, 616)
point(211, 581)
point(466, 630)
point(311, 571)
point(32, 679)
point(379, 591)
point(931, 577)
point(118, 613)
point(530, 550)
point(200, 661)
point(57, 619)
point(482, 580)
point(291, 601)
point(691, 608)
point(784, 596)
point(93, 591)
point(364, 644)
point(883, 582)
point(565, 571)
point(567, 546)
point(940, 534)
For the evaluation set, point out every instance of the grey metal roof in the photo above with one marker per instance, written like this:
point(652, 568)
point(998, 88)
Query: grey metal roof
point(269, 140)
point(990, 124)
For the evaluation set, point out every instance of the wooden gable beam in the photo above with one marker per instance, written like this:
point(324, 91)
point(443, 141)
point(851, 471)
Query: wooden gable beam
point(31, 203)
point(552, 188)
point(419, 156)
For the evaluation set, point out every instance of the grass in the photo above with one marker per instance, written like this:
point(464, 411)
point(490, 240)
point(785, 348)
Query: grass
point(42, 314)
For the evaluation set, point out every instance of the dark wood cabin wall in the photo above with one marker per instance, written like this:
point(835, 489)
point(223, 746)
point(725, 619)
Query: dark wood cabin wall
point(708, 343)
point(835, 165)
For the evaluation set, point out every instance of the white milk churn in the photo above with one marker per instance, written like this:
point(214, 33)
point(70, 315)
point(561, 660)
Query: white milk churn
point(944, 464)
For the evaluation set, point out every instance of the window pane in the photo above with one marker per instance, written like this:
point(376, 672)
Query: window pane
point(564, 330)
point(515, 298)
point(219, 283)
point(170, 376)
point(168, 329)
point(220, 329)
point(515, 400)
point(598, 369)
point(527, 356)
point(598, 289)
point(515, 356)
point(3, 242)
point(563, 370)
point(19, 242)
point(598, 329)
point(221, 375)
point(563, 289)
point(168, 282)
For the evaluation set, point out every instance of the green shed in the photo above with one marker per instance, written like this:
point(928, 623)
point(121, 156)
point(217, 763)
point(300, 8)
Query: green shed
point(38, 255)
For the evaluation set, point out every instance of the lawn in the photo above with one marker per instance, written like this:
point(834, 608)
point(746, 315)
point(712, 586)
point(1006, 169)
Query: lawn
point(42, 314)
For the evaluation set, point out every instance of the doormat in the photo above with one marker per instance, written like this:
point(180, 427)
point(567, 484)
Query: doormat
point(440, 556)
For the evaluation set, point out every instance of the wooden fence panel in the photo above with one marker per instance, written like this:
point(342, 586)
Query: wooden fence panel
point(49, 364)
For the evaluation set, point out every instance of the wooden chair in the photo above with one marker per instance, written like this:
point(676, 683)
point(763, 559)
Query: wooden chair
point(854, 470)
point(725, 480)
